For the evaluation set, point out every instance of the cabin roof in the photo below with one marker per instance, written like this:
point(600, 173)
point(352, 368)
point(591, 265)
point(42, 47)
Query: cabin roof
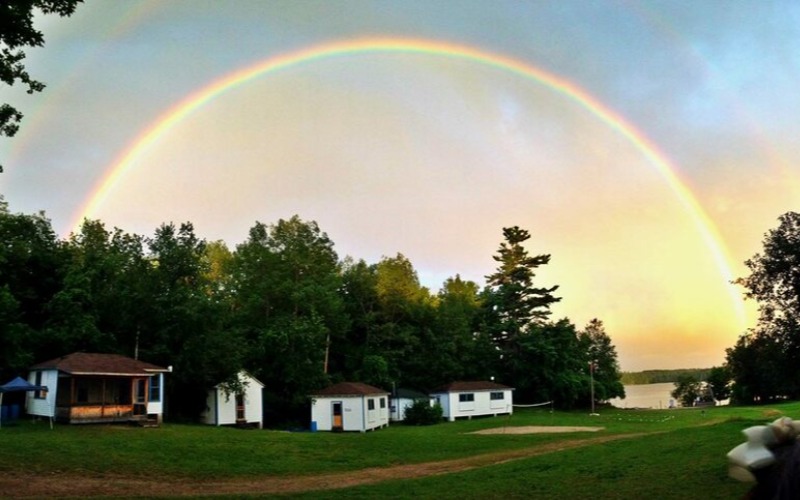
point(410, 394)
point(247, 374)
point(84, 363)
point(477, 385)
point(349, 389)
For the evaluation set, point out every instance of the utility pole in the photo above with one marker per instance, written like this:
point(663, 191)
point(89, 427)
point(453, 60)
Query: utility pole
point(327, 349)
point(591, 377)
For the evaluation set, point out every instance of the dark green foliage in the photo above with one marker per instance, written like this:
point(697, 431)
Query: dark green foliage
point(421, 412)
point(603, 356)
point(757, 364)
point(543, 360)
point(512, 302)
point(662, 376)
point(283, 307)
point(374, 371)
point(765, 362)
point(289, 308)
point(719, 382)
point(688, 390)
point(31, 275)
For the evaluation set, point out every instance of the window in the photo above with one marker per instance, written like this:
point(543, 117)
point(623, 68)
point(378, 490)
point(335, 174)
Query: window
point(383, 402)
point(466, 397)
point(497, 396)
point(141, 388)
point(370, 404)
point(39, 394)
point(155, 388)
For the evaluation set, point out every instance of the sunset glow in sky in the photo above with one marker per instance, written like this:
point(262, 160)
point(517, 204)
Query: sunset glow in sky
point(647, 146)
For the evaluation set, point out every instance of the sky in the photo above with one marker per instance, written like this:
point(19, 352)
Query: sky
point(646, 145)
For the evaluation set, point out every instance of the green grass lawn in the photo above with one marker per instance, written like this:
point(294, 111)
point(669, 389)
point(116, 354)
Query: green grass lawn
point(687, 463)
point(681, 455)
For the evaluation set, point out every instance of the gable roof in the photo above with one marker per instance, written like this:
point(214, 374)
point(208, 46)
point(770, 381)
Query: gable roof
point(349, 389)
point(85, 363)
point(246, 374)
point(478, 385)
point(409, 394)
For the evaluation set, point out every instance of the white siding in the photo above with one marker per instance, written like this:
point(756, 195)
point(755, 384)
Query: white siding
point(383, 409)
point(322, 413)
point(356, 415)
point(482, 404)
point(221, 407)
point(209, 415)
point(43, 407)
point(399, 407)
point(157, 407)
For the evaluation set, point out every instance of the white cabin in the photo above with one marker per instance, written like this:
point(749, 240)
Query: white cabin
point(224, 407)
point(349, 406)
point(472, 399)
point(402, 399)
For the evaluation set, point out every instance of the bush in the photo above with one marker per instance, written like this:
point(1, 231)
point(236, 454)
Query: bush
point(422, 413)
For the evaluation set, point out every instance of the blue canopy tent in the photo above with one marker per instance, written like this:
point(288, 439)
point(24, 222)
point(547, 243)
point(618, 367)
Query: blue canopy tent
point(17, 385)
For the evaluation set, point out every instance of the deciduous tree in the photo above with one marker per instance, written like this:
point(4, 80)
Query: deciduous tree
point(774, 282)
point(287, 281)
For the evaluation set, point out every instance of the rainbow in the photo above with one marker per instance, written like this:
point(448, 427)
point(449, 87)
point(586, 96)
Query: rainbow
point(199, 98)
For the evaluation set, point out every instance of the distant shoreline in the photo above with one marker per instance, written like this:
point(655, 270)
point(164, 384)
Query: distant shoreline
point(662, 376)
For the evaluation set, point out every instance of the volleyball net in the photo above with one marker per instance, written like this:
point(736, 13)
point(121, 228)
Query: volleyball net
point(535, 405)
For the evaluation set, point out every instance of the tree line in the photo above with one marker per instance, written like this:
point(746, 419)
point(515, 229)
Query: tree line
point(285, 307)
point(662, 376)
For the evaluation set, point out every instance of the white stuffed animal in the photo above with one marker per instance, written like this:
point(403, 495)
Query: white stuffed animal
point(756, 452)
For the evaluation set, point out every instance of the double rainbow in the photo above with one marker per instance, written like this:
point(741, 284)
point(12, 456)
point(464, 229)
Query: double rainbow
point(569, 90)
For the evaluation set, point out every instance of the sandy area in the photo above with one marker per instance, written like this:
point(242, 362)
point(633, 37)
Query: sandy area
point(536, 429)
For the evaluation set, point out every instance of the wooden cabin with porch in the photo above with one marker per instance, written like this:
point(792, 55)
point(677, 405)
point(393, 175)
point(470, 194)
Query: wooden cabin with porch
point(87, 388)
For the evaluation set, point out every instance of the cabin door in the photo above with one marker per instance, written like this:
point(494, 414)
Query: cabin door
point(336, 408)
point(140, 396)
point(240, 417)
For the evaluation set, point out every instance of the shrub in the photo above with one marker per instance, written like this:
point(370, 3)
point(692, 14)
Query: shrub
point(422, 413)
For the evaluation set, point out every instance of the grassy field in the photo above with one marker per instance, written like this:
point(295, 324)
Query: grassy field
point(669, 454)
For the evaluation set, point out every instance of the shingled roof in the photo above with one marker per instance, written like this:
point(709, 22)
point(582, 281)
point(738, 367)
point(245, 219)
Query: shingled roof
point(479, 385)
point(349, 389)
point(84, 363)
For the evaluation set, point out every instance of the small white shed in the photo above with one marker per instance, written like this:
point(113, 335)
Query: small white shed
point(349, 406)
point(402, 399)
point(224, 407)
point(472, 399)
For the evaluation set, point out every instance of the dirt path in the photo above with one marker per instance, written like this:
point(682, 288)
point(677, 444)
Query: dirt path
point(536, 429)
point(15, 485)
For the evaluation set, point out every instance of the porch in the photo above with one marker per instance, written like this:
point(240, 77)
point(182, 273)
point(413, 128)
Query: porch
point(98, 399)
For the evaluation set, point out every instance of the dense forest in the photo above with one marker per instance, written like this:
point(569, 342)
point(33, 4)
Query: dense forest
point(284, 306)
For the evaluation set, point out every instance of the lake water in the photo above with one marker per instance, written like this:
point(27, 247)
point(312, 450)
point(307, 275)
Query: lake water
point(646, 396)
